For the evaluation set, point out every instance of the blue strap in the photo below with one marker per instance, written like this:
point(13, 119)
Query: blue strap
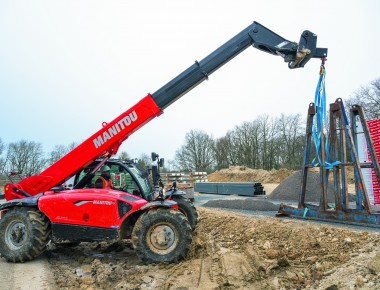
point(305, 212)
point(319, 125)
point(320, 103)
point(345, 115)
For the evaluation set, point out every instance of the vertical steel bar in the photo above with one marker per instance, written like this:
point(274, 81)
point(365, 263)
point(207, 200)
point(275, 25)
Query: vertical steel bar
point(306, 155)
point(343, 157)
point(375, 160)
point(323, 172)
point(358, 188)
point(334, 115)
point(362, 201)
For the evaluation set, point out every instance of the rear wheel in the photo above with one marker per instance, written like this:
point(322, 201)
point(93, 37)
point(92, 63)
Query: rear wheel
point(24, 234)
point(188, 209)
point(161, 235)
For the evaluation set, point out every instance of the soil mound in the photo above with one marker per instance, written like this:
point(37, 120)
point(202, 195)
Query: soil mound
point(290, 188)
point(246, 174)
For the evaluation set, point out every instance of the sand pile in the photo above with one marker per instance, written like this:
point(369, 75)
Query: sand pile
point(246, 174)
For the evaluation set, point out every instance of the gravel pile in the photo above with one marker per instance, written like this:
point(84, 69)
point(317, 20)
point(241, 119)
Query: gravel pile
point(290, 188)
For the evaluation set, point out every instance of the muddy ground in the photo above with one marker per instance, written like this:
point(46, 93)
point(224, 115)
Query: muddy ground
point(234, 251)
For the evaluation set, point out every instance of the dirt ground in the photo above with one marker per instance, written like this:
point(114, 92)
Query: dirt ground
point(234, 251)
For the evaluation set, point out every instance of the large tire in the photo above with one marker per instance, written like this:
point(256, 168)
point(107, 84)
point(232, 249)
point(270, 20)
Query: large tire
point(188, 209)
point(161, 235)
point(24, 233)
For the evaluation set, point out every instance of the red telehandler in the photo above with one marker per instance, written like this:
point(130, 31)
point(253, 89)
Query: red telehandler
point(39, 209)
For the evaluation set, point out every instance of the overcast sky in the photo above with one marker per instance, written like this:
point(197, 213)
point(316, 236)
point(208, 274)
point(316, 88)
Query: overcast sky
point(67, 66)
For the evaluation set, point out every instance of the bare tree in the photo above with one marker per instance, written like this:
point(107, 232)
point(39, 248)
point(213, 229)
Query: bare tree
point(197, 154)
point(222, 148)
point(245, 144)
point(369, 98)
point(290, 141)
point(59, 151)
point(169, 165)
point(233, 153)
point(267, 143)
point(144, 160)
point(25, 157)
point(2, 158)
point(123, 155)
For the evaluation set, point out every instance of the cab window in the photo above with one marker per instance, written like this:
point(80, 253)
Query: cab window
point(121, 179)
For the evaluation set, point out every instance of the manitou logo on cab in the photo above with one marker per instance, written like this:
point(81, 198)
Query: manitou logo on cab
point(103, 202)
point(115, 129)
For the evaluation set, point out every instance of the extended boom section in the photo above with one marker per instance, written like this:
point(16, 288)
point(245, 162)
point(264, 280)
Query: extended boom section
point(109, 138)
point(260, 37)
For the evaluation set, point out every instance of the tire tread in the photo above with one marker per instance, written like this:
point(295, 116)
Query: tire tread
point(39, 231)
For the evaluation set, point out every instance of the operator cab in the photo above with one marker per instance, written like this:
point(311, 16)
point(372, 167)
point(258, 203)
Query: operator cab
point(126, 176)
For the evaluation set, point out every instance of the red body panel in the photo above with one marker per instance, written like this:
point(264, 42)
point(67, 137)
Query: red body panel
point(106, 140)
point(87, 207)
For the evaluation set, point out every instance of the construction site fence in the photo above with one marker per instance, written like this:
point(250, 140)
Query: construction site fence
point(183, 179)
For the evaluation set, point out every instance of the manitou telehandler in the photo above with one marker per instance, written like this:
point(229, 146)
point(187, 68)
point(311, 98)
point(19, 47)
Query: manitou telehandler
point(146, 183)
point(40, 209)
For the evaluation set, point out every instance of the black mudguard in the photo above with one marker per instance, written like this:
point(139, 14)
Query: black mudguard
point(31, 201)
point(158, 203)
point(172, 192)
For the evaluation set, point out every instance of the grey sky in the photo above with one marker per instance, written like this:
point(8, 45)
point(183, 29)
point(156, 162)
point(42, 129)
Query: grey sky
point(67, 66)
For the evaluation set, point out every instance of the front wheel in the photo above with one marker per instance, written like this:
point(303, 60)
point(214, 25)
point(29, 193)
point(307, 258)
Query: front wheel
point(24, 233)
point(161, 235)
point(188, 209)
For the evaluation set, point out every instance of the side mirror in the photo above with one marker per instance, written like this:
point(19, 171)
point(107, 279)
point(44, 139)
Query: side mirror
point(154, 156)
point(155, 175)
point(161, 162)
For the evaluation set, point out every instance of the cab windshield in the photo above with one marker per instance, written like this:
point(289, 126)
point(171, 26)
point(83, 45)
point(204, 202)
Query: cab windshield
point(143, 181)
point(127, 178)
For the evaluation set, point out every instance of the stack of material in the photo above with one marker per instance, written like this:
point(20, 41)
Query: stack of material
point(239, 188)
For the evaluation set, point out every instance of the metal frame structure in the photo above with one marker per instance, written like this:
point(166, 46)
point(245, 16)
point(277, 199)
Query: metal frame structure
point(342, 147)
